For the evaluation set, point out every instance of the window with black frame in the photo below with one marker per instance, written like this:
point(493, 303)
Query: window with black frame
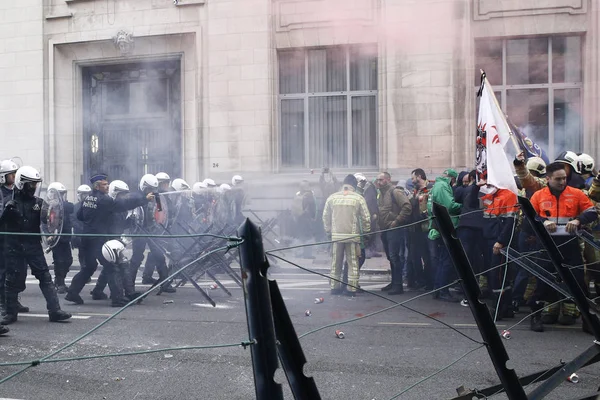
point(328, 107)
point(538, 82)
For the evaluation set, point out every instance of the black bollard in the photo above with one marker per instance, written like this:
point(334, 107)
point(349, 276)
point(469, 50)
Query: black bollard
point(259, 313)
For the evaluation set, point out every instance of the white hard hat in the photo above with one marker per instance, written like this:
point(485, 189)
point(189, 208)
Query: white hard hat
point(586, 163)
point(360, 177)
point(199, 187)
point(180, 185)
point(536, 164)
point(117, 187)
point(148, 181)
point(7, 167)
point(569, 157)
point(236, 180)
point(112, 250)
point(224, 187)
point(26, 174)
point(210, 183)
point(59, 187)
point(163, 177)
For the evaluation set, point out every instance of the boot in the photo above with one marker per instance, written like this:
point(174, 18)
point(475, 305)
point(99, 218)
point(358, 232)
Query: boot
point(536, 319)
point(21, 308)
point(4, 329)
point(61, 289)
point(396, 289)
point(96, 295)
point(2, 303)
point(386, 287)
point(74, 298)
point(167, 288)
point(59, 283)
point(49, 292)
point(116, 289)
point(10, 316)
point(58, 315)
point(134, 296)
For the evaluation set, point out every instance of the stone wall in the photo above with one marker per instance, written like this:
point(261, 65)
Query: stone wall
point(22, 81)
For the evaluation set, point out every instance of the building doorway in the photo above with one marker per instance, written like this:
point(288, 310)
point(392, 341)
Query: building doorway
point(132, 120)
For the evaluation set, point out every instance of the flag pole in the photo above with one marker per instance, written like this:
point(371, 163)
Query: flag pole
point(512, 136)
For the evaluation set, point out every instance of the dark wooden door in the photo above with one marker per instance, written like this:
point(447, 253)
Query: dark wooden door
point(132, 120)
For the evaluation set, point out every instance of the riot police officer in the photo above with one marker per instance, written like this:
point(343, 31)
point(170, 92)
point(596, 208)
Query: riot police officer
point(96, 214)
point(23, 214)
point(7, 179)
point(148, 185)
point(61, 252)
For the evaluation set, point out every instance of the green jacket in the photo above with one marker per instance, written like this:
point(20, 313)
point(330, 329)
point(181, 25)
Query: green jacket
point(441, 193)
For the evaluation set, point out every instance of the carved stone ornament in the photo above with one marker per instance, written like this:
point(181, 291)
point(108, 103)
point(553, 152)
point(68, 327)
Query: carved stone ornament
point(124, 42)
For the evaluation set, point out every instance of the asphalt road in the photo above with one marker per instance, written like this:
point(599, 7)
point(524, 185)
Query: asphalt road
point(380, 356)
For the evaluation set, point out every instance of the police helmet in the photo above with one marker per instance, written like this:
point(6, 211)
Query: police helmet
point(199, 187)
point(7, 167)
point(25, 175)
point(180, 185)
point(59, 187)
point(148, 181)
point(236, 180)
point(112, 250)
point(117, 187)
point(163, 177)
point(82, 191)
point(223, 188)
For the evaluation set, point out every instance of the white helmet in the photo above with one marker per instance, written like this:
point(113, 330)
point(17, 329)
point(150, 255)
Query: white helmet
point(586, 163)
point(26, 174)
point(236, 180)
point(570, 158)
point(112, 251)
point(223, 188)
point(210, 183)
point(59, 187)
point(199, 187)
point(180, 185)
point(117, 187)
point(148, 181)
point(7, 167)
point(163, 177)
point(536, 164)
point(83, 191)
point(360, 177)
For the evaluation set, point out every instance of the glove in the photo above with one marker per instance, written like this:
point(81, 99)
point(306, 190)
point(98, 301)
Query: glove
point(519, 160)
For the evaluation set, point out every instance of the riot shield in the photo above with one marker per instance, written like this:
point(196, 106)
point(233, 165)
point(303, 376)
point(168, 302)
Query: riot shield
point(52, 218)
point(136, 218)
point(161, 211)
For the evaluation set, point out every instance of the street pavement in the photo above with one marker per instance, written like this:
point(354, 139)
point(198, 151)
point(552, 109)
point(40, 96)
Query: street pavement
point(380, 356)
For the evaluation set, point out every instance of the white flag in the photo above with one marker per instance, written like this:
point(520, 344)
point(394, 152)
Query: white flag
point(492, 135)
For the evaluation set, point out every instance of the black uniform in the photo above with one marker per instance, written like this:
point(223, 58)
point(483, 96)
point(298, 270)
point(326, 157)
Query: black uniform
point(96, 213)
point(61, 253)
point(156, 256)
point(7, 195)
point(23, 215)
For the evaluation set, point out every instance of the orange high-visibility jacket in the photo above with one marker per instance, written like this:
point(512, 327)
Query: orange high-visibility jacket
point(499, 211)
point(571, 204)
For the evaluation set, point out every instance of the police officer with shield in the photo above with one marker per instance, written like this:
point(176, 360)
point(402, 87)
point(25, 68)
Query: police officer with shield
point(23, 215)
point(96, 214)
point(61, 252)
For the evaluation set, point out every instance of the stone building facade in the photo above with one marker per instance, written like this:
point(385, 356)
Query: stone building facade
point(274, 88)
